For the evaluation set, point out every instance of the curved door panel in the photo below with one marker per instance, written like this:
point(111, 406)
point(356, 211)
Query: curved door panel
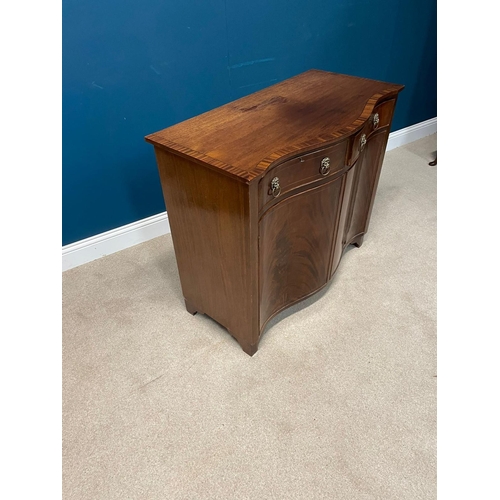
point(339, 242)
point(365, 183)
point(296, 238)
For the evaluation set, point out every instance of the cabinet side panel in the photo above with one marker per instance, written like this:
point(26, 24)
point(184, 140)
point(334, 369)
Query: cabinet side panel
point(210, 222)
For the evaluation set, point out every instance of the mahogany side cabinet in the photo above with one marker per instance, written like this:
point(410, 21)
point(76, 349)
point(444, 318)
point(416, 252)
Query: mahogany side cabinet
point(264, 194)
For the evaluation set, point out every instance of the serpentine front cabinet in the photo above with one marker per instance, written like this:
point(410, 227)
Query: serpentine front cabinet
point(264, 194)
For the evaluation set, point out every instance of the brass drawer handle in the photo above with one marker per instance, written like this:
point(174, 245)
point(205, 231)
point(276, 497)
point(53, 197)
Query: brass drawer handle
point(324, 169)
point(275, 187)
point(376, 120)
point(362, 142)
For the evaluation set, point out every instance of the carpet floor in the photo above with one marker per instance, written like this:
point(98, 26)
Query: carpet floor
point(338, 403)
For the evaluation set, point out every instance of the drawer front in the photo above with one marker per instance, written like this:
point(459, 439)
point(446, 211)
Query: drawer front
point(301, 171)
point(381, 117)
point(384, 112)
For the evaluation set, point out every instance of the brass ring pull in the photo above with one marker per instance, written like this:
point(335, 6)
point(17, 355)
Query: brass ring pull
point(362, 142)
point(275, 187)
point(324, 169)
point(376, 120)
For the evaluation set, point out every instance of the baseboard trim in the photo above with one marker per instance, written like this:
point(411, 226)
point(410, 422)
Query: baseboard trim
point(412, 133)
point(103, 244)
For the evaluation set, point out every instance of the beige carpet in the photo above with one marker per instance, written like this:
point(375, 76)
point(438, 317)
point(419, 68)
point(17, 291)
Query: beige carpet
point(338, 403)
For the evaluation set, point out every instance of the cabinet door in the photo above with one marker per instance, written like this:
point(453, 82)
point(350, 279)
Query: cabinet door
point(296, 241)
point(367, 172)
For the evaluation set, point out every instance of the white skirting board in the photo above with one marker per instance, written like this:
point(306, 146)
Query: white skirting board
point(411, 133)
point(103, 244)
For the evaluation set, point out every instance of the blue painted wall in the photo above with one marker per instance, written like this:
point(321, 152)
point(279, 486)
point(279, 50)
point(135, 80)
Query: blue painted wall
point(132, 67)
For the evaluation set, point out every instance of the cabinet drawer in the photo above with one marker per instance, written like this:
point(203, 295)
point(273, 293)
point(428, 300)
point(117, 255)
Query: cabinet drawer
point(384, 112)
point(301, 171)
point(380, 118)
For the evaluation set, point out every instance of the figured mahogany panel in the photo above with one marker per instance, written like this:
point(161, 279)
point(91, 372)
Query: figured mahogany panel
point(295, 246)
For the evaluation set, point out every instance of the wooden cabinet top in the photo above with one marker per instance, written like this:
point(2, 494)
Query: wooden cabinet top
point(244, 137)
